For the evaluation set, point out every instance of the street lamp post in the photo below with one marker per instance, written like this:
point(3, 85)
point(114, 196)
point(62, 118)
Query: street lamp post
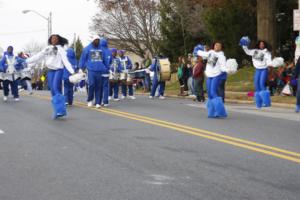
point(49, 19)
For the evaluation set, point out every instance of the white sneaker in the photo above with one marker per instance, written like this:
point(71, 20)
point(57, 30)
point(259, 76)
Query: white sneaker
point(5, 98)
point(109, 98)
point(17, 99)
point(98, 106)
point(162, 97)
point(117, 99)
point(132, 97)
point(105, 105)
point(123, 97)
point(150, 97)
point(90, 104)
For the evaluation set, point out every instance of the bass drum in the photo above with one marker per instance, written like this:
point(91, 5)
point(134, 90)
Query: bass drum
point(165, 69)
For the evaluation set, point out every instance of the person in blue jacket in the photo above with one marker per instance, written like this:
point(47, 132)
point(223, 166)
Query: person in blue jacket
point(9, 65)
point(126, 67)
point(115, 69)
point(105, 75)
point(68, 86)
point(155, 67)
point(92, 59)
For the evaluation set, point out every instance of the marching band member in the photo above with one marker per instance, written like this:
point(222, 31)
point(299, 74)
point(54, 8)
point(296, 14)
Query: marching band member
point(55, 60)
point(68, 86)
point(92, 58)
point(115, 70)
point(216, 63)
point(126, 67)
point(105, 75)
point(261, 58)
point(9, 67)
point(155, 67)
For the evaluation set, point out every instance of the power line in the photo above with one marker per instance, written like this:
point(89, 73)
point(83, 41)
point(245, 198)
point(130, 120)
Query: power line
point(23, 32)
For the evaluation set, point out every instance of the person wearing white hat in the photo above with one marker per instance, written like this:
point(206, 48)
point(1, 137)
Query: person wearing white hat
point(92, 59)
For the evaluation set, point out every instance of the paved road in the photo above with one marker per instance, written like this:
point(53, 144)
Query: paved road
point(147, 149)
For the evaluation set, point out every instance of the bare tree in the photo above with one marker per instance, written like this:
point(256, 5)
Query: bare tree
point(33, 47)
point(134, 23)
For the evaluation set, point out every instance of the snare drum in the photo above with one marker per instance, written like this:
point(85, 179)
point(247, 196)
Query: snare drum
point(123, 76)
point(114, 76)
point(129, 79)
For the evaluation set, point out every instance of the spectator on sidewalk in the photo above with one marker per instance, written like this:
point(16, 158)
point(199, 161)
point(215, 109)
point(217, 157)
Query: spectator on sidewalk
point(190, 76)
point(198, 75)
point(272, 80)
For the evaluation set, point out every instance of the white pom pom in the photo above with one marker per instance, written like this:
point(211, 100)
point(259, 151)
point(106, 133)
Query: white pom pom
point(76, 78)
point(231, 66)
point(277, 62)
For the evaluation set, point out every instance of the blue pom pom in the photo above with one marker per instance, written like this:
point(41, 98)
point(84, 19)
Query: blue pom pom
point(245, 41)
point(197, 48)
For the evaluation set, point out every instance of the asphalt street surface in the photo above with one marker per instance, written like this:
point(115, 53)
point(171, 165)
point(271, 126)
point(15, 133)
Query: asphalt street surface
point(147, 149)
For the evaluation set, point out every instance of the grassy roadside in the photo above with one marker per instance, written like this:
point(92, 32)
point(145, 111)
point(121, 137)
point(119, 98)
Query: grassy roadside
point(237, 87)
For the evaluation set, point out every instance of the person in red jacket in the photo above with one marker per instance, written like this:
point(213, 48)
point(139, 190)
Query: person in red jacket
point(198, 75)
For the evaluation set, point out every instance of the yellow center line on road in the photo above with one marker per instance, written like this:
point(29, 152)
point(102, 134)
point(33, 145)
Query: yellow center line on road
point(257, 147)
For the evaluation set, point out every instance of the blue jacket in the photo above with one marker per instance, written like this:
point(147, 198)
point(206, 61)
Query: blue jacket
point(3, 63)
point(126, 63)
point(155, 67)
point(72, 59)
point(116, 63)
point(108, 57)
point(94, 59)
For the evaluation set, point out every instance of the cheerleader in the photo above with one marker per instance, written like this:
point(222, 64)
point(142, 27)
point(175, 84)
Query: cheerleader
point(261, 58)
point(68, 86)
point(126, 67)
point(115, 70)
point(55, 60)
point(216, 63)
point(297, 76)
point(9, 66)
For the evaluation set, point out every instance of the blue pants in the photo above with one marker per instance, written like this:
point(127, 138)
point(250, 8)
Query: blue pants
point(215, 105)
point(155, 84)
point(114, 89)
point(262, 95)
point(95, 84)
point(14, 88)
point(104, 90)
point(68, 91)
point(55, 78)
point(124, 89)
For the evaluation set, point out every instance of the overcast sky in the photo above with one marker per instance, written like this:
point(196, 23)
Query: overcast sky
point(68, 17)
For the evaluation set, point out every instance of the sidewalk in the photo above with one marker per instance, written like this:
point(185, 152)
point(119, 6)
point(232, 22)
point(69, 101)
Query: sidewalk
point(228, 100)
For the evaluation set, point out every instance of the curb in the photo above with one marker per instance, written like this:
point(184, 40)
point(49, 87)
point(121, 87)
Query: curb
point(232, 101)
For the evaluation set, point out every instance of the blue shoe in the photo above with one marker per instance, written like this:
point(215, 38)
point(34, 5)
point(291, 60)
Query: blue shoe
point(297, 110)
point(258, 100)
point(210, 109)
point(266, 99)
point(219, 107)
point(59, 106)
